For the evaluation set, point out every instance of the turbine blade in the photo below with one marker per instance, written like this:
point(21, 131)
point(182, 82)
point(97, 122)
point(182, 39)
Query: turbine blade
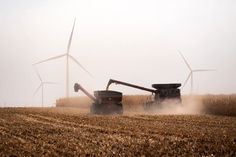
point(202, 70)
point(38, 88)
point(80, 65)
point(186, 80)
point(52, 58)
point(37, 72)
point(185, 60)
point(70, 39)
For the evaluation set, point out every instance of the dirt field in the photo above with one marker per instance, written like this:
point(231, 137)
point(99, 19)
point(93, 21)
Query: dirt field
point(68, 132)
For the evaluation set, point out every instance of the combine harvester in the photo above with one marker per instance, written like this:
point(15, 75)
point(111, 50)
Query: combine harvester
point(163, 93)
point(110, 102)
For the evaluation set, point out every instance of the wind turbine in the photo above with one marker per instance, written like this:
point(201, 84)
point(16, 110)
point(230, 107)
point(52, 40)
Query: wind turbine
point(42, 84)
point(190, 75)
point(67, 55)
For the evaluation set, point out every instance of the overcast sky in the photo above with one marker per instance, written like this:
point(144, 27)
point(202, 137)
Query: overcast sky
point(129, 40)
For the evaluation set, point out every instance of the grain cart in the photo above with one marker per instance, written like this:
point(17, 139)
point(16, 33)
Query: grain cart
point(163, 93)
point(104, 101)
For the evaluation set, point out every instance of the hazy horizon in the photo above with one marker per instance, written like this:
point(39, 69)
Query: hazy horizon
point(135, 41)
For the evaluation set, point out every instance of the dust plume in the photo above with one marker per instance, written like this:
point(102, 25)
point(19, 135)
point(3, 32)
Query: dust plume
point(189, 105)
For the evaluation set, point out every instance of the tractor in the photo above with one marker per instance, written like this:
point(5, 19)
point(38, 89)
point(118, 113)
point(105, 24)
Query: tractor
point(104, 101)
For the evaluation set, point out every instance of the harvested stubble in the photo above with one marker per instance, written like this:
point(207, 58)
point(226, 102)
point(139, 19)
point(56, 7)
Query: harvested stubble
point(62, 132)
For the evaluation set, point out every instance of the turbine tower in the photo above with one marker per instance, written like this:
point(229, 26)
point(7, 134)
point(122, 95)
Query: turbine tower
point(68, 56)
point(190, 75)
point(42, 84)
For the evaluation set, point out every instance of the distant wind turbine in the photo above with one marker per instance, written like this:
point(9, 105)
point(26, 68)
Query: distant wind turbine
point(42, 84)
point(67, 55)
point(191, 71)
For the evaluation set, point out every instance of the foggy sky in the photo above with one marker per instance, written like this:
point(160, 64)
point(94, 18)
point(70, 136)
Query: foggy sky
point(129, 40)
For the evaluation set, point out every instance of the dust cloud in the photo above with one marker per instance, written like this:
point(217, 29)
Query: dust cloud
point(190, 105)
